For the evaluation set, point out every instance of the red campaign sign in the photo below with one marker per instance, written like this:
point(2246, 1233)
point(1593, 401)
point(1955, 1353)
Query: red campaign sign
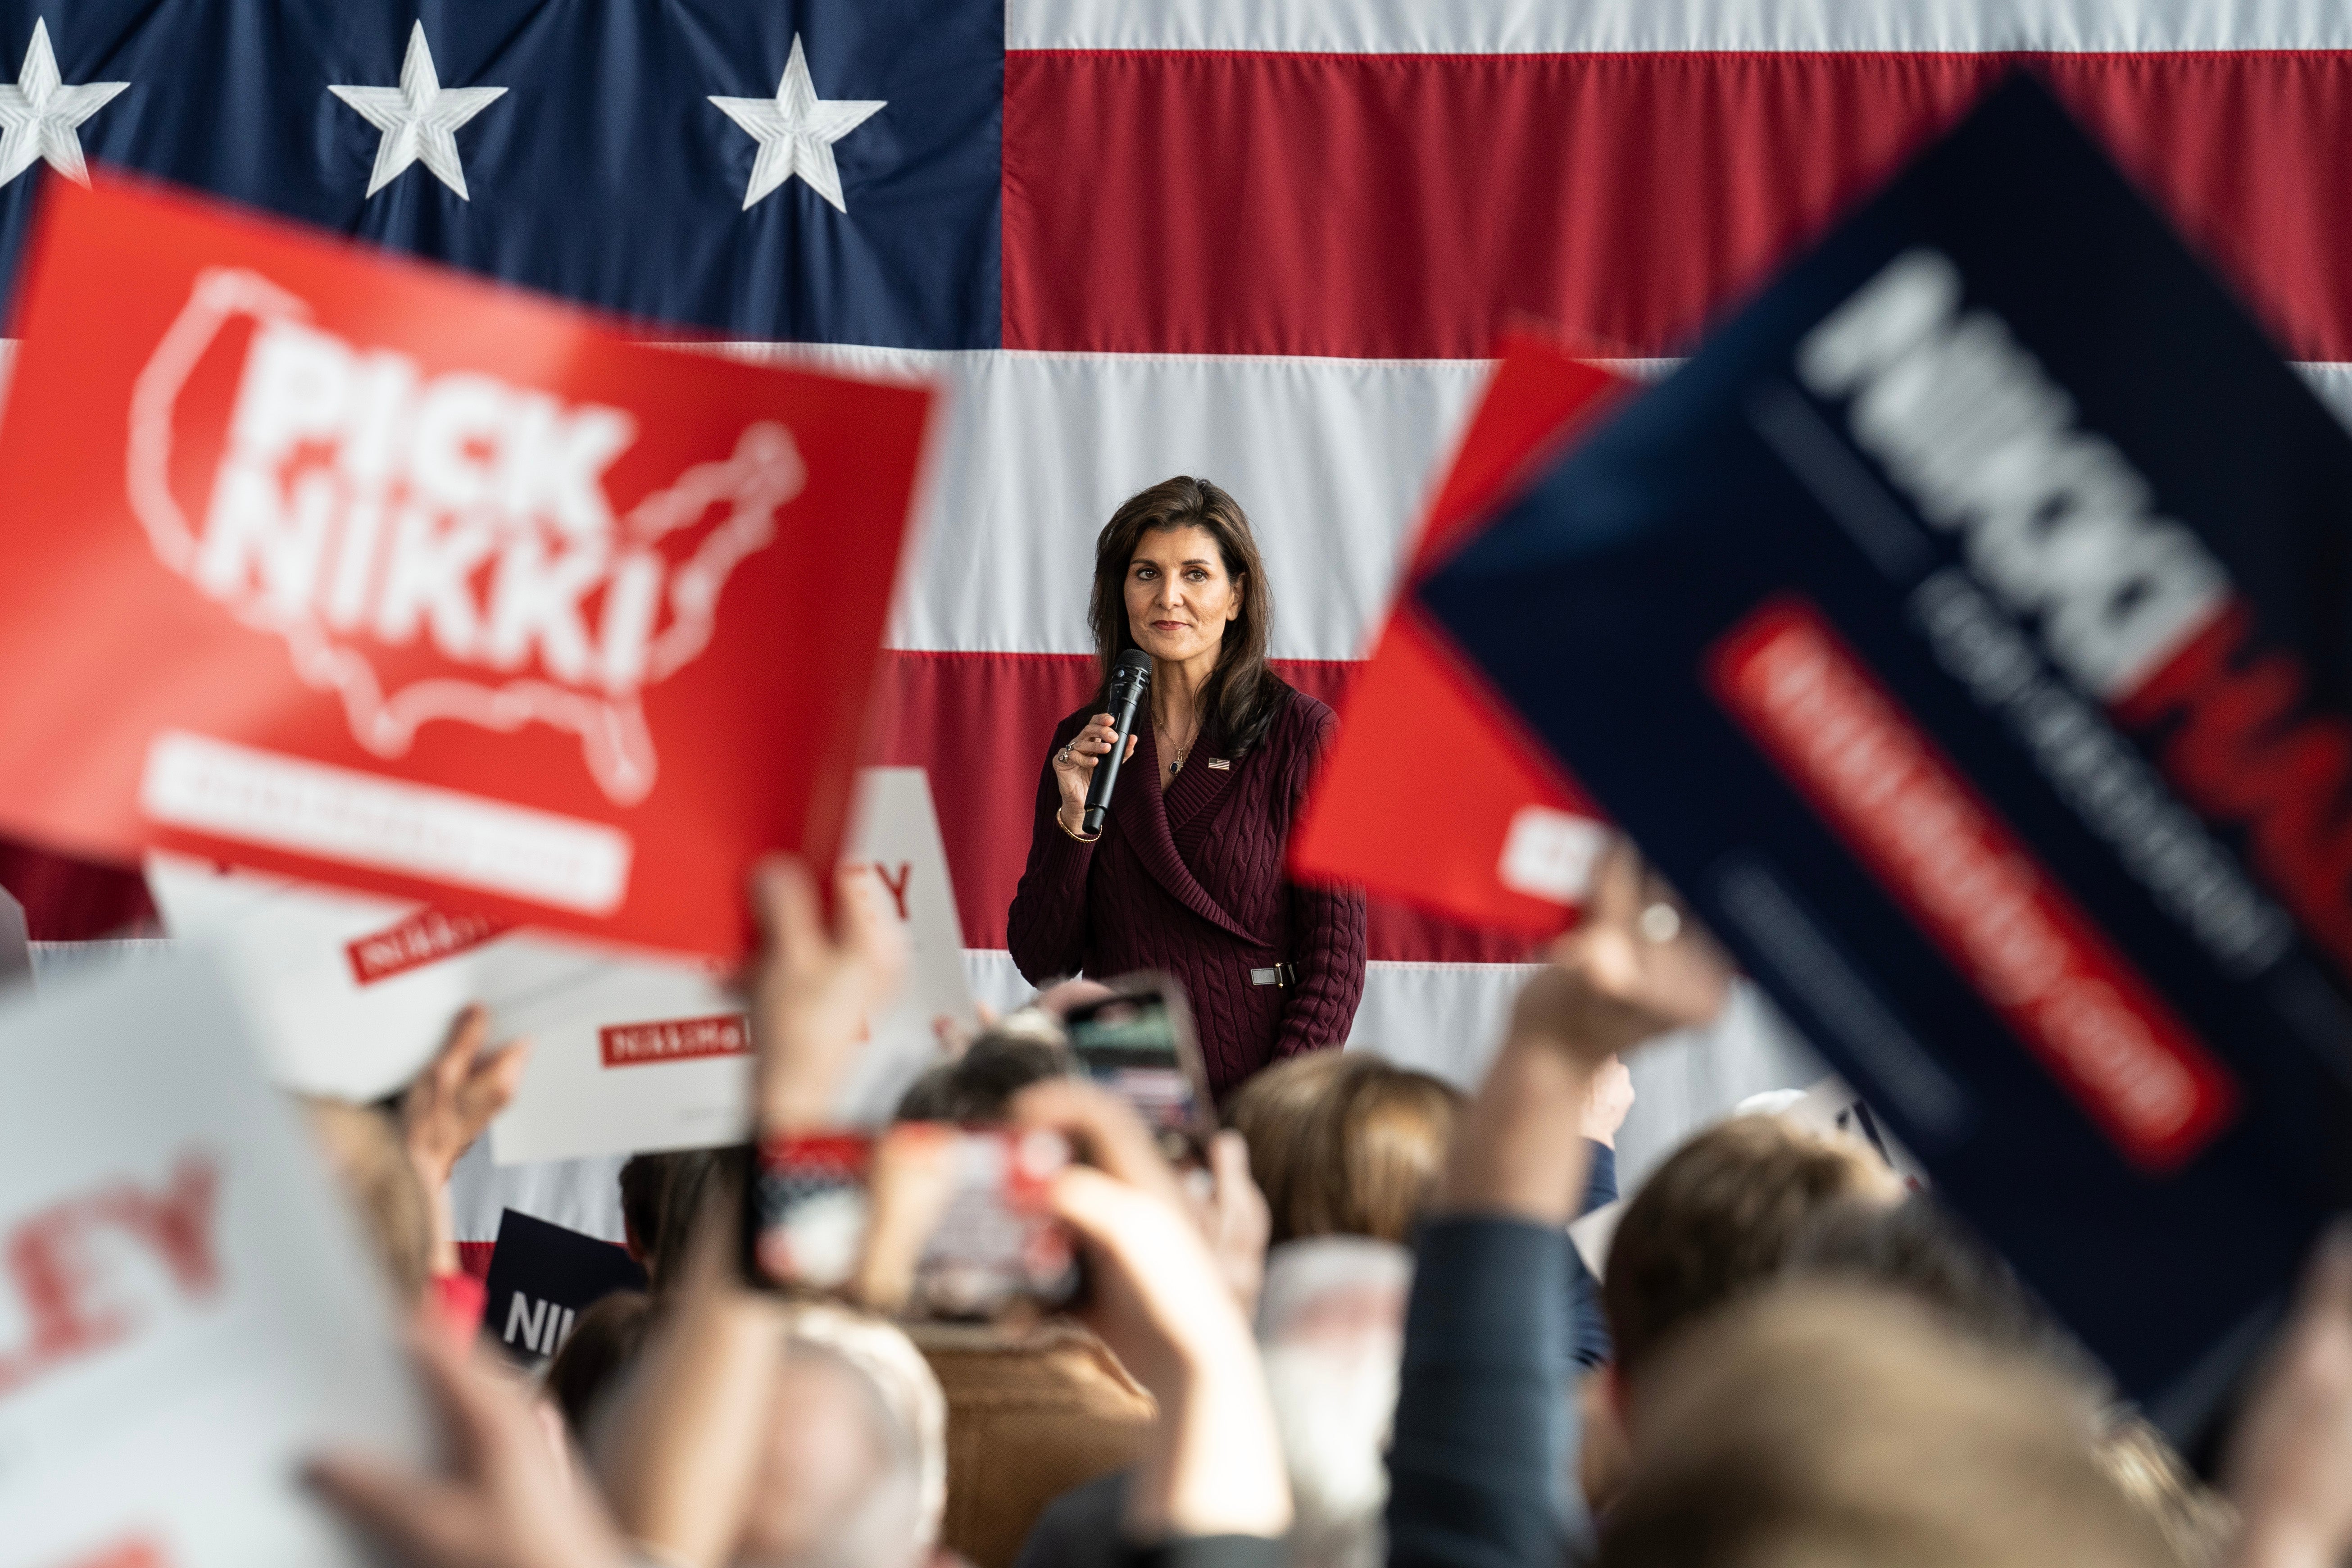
point(339, 564)
point(1432, 794)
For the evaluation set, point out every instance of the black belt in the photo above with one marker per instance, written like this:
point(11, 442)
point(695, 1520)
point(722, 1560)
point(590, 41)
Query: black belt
point(1280, 975)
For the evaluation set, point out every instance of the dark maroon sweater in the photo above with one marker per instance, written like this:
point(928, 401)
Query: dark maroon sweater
point(1191, 882)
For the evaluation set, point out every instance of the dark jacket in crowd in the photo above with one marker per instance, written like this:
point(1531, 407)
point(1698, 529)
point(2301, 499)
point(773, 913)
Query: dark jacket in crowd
point(1588, 1324)
point(1482, 1466)
point(1192, 883)
point(1080, 1529)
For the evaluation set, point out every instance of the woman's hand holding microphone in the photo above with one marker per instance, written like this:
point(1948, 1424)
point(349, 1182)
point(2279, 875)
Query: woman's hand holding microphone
point(1074, 769)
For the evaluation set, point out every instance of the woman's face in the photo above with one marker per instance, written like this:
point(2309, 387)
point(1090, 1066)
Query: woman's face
point(1179, 598)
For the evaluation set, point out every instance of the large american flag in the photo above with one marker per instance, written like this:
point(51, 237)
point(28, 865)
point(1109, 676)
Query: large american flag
point(1265, 240)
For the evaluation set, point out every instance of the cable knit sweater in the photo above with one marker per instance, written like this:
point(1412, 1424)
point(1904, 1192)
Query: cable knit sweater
point(1191, 882)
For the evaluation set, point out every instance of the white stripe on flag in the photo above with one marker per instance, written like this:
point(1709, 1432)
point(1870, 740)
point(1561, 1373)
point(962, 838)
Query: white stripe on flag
point(1330, 458)
point(1550, 27)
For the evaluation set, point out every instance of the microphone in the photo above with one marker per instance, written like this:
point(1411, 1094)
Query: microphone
point(1129, 681)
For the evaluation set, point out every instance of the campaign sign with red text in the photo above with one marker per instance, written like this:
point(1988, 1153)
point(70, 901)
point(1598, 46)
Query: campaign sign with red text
point(1431, 794)
point(187, 1312)
point(342, 565)
point(1960, 632)
point(632, 1055)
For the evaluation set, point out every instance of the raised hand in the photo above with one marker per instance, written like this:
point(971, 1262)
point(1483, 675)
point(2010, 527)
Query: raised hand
point(506, 1503)
point(1161, 1298)
point(815, 986)
point(1635, 967)
point(456, 1096)
point(2291, 1457)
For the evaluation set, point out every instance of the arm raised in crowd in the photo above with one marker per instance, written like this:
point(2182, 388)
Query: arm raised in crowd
point(1483, 1454)
point(504, 1503)
point(447, 1106)
point(1161, 1301)
point(2291, 1460)
point(680, 1454)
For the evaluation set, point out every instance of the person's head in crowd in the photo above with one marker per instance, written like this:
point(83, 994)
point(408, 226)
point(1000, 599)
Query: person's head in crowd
point(1344, 1144)
point(1330, 1326)
point(2196, 1522)
point(643, 1179)
point(1817, 1425)
point(1917, 1249)
point(603, 1341)
point(855, 1472)
point(702, 1187)
point(364, 1148)
point(978, 1085)
point(1718, 1220)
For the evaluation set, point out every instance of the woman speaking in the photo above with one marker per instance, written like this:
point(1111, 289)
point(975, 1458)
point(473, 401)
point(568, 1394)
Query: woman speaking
point(1187, 875)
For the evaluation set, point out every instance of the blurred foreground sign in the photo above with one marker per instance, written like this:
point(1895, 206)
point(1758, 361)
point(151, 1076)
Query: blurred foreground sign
point(1961, 631)
point(186, 1314)
point(1430, 794)
point(347, 567)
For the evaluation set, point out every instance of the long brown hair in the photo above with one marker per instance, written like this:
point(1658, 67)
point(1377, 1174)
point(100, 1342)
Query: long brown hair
point(1243, 692)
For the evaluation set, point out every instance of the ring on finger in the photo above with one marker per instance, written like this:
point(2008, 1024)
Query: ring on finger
point(1660, 923)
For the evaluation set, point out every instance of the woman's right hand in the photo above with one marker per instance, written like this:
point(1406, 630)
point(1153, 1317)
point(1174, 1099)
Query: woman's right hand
point(1074, 764)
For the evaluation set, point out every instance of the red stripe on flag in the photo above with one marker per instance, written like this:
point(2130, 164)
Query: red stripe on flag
point(1408, 205)
point(979, 722)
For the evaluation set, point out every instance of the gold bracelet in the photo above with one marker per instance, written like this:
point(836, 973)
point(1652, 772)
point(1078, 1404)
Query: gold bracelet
point(1081, 838)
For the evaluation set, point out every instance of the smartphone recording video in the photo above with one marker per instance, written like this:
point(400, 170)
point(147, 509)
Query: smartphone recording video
point(922, 1220)
point(1138, 1044)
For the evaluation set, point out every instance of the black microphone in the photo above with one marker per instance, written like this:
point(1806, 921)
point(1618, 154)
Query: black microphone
point(1130, 680)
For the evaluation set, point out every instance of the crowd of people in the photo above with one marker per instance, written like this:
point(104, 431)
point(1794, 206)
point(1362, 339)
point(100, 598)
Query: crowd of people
point(1354, 1331)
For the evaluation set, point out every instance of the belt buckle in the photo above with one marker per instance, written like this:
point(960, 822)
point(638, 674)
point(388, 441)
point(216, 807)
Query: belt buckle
point(1280, 975)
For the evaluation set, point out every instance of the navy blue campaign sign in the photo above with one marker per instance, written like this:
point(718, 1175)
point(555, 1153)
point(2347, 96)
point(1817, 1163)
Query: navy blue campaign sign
point(543, 1276)
point(1964, 631)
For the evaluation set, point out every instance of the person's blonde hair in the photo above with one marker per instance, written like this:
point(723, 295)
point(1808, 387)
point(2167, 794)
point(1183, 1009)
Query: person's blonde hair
point(1824, 1426)
point(2196, 1522)
point(1343, 1143)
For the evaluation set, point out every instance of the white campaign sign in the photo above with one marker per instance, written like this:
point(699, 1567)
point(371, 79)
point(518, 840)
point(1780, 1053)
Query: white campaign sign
point(641, 1059)
point(894, 831)
point(352, 991)
point(637, 1055)
point(185, 1310)
point(630, 1051)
